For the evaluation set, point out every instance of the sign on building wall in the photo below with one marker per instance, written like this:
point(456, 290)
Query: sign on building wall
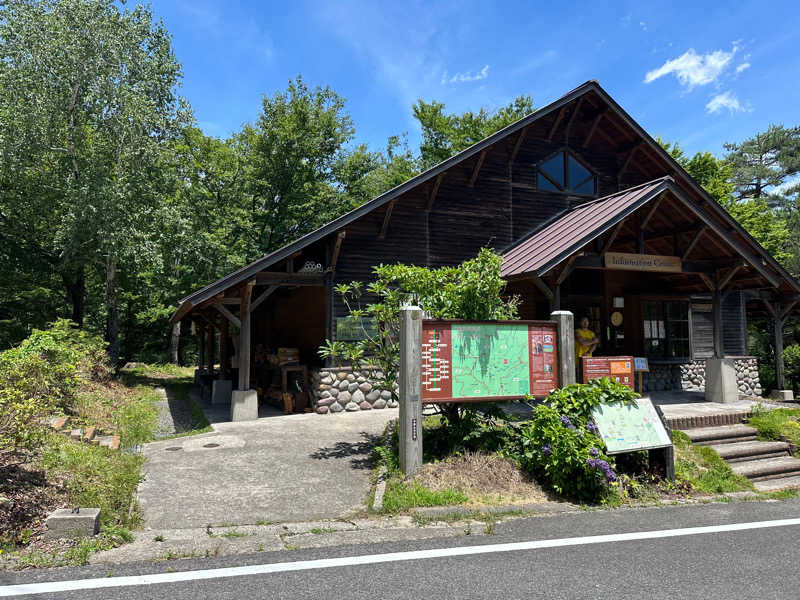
point(465, 361)
point(643, 262)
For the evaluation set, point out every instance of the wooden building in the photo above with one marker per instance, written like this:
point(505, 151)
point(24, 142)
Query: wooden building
point(590, 214)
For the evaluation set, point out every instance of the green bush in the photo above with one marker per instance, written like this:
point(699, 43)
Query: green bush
point(567, 452)
point(41, 376)
point(576, 401)
point(791, 361)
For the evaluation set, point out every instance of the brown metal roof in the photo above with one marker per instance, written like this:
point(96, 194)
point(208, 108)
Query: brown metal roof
point(572, 230)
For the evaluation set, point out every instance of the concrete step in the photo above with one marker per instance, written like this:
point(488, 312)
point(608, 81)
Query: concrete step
point(768, 468)
point(726, 434)
point(780, 483)
point(751, 450)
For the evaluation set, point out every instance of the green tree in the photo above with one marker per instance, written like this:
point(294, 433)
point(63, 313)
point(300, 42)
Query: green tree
point(444, 135)
point(91, 89)
point(765, 161)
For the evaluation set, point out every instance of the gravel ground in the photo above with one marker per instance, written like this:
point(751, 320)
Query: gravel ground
point(174, 415)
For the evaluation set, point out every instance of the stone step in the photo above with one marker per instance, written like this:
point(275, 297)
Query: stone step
point(768, 468)
point(750, 450)
point(726, 434)
point(780, 483)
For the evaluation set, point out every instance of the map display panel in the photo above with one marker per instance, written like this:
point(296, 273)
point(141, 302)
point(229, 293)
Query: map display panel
point(471, 361)
point(628, 427)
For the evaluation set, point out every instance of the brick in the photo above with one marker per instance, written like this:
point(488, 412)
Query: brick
point(114, 443)
point(90, 434)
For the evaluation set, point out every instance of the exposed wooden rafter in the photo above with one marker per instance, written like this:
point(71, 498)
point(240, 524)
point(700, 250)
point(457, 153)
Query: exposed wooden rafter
point(337, 248)
point(556, 123)
point(275, 278)
point(593, 128)
point(434, 190)
point(628, 160)
point(650, 213)
point(386, 217)
point(613, 236)
point(263, 296)
point(693, 243)
point(517, 146)
point(228, 314)
point(726, 278)
point(477, 169)
point(572, 120)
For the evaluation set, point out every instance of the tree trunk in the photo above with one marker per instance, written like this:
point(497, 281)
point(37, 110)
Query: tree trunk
point(174, 344)
point(112, 316)
point(76, 289)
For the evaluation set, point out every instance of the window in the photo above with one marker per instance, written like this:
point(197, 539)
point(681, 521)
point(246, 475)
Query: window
point(564, 173)
point(666, 329)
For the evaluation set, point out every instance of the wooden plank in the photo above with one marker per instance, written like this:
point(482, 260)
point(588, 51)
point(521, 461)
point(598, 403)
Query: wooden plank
point(572, 120)
point(716, 310)
point(726, 279)
point(539, 283)
point(517, 145)
point(707, 280)
point(613, 236)
point(337, 247)
point(556, 123)
point(230, 301)
point(628, 160)
point(228, 314)
point(650, 213)
point(434, 190)
point(788, 309)
point(244, 337)
point(275, 278)
point(694, 242)
point(224, 357)
point(565, 272)
point(263, 296)
point(477, 169)
point(386, 217)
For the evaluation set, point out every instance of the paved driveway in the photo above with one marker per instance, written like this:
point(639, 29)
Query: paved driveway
point(285, 468)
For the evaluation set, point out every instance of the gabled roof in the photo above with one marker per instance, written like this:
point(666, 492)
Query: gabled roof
point(572, 229)
point(246, 272)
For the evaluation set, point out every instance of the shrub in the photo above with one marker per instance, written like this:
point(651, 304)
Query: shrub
point(577, 400)
point(791, 361)
point(567, 452)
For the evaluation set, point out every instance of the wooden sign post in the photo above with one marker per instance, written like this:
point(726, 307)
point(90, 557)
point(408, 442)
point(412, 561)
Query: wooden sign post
point(640, 366)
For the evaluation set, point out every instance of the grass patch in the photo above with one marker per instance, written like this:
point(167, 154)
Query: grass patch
point(401, 496)
point(778, 424)
point(234, 534)
point(704, 469)
point(322, 530)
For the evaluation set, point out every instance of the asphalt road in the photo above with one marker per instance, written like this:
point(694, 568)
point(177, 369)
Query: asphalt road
point(757, 562)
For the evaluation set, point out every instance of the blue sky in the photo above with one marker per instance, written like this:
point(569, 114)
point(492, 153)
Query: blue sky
point(696, 72)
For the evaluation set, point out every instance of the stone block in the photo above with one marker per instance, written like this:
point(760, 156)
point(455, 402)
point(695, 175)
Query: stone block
point(721, 384)
point(322, 410)
point(782, 395)
point(379, 403)
point(244, 405)
point(351, 407)
point(221, 391)
point(64, 523)
point(335, 407)
point(357, 396)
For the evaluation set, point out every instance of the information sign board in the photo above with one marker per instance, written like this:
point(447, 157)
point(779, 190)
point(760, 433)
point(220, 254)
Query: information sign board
point(619, 368)
point(630, 427)
point(640, 365)
point(479, 361)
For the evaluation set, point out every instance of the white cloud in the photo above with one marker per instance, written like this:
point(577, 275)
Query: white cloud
point(692, 69)
point(725, 100)
point(467, 76)
point(742, 67)
point(643, 25)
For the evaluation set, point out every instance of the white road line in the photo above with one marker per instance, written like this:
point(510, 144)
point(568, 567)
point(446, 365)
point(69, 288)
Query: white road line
point(326, 563)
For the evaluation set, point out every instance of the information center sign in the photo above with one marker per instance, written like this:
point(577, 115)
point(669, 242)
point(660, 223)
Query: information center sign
point(480, 361)
point(630, 427)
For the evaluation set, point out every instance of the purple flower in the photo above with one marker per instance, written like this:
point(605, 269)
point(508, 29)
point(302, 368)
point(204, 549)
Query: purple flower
point(594, 452)
point(591, 426)
point(596, 463)
point(546, 450)
point(567, 423)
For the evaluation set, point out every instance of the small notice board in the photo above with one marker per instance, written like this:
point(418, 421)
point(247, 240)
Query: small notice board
point(631, 427)
point(619, 368)
point(480, 361)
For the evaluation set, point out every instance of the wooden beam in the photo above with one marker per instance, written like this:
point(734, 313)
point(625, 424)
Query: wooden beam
point(556, 123)
point(613, 236)
point(726, 279)
point(386, 217)
point(716, 310)
point(263, 296)
point(693, 243)
point(565, 272)
point(224, 357)
point(572, 119)
point(650, 213)
point(434, 190)
point(539, 283)
point(228, 314)
point(275, 278)
point(244, 337)
point(628, 160)
point(788, 309)
point(337, 247)
point(707, 280)
point(593, 128)
point(230, 301)
point(517, 146)
point(477, 169)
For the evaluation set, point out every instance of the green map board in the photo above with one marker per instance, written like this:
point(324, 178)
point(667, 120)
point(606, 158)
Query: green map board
point(630, 427)
point(490, 360)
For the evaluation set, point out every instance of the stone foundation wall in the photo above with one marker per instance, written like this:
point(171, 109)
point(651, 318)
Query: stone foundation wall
point(335, 390)
point(691, 377)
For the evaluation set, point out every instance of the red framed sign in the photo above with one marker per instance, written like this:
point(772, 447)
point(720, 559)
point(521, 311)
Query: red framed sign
point(619, 368)
point(483, 361)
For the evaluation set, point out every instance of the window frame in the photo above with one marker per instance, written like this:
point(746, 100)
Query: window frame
point(567, 188)
point(668, 339)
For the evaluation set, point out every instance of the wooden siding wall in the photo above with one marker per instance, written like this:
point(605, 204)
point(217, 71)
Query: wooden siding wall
point(734, 328)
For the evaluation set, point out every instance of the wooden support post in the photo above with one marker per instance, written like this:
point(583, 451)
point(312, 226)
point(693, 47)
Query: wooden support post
point(556, 304)
point(224, 356)
point(244, 337)
point(477, 169)
point(780, 376)
point(565, 329)
point(434, 190)
point(410, 419)
point(337, 247)
point(386, 217)
point(201, 346)
point(556, 123)
point(693, 243)
point(716, 302)
point(210, 349)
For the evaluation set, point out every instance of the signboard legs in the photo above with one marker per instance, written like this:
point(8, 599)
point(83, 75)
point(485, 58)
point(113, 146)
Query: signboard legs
point(565, 326)
point(410, 431)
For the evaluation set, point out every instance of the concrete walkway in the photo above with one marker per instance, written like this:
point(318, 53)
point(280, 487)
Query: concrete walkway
point(283, 468)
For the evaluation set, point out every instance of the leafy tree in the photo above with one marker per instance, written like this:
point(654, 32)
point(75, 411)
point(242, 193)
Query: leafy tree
point(444, 135)
point(765, 161)
point(91, 89)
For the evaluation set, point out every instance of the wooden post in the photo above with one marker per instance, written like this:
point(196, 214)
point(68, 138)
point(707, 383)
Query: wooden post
point(716, 300)
point(780, 377)
point(410, 421)
point(565, 328)
point(210, 349)
point(244, 337)
point(224, 357)
point(556, 305)
point(201, 346)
